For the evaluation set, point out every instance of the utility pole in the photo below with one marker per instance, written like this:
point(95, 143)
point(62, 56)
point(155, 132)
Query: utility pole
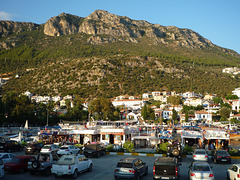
point(47, 117)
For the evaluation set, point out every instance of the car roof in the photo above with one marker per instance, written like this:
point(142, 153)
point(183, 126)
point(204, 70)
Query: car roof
point(165, 160)
point(128, 160)
point(236, 165)
point(1, 154)
point(200, 150)
point(23, 156)
point(200, 162)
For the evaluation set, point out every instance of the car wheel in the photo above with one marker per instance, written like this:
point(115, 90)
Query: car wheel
point(56, 176)
point(146, 172)
point(35, 164)
point(47, 172)
point(116, 178)
point(90, 168)
point(75, 174)
point(137, 177)
point(98, 155)
point(228, 177)
point(215, 161)
point(32, 172)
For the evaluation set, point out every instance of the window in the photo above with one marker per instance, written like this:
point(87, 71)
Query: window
point(11, 155)
point(103, 137)
point(5, 156)
point(80, 158)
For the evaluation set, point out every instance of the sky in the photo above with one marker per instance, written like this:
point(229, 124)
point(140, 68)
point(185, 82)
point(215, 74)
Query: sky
point(216, 20)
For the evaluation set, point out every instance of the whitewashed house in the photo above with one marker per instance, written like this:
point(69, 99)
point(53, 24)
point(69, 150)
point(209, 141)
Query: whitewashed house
point(129, 103)
point(193, 101)
point(236, 92)
point(235, 103)
point(167, 114)
point(56, 98)
point(203, 116)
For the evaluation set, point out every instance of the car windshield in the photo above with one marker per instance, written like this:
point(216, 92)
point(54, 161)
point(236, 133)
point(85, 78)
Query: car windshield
point(222, 153)
point(201, 167)
point(90, 147)
point(200, 152)
point(44, 157)
point(15, 160)
point(64, 147)
point(46, 147)
point(125, 165)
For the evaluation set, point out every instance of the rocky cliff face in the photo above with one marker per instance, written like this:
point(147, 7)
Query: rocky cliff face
point(9, 27)
point(122, 28)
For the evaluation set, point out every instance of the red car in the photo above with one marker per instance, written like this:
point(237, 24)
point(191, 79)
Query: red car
point(18, 163)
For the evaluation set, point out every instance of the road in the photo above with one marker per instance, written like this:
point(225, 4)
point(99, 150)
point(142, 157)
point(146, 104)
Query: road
point(103, 169)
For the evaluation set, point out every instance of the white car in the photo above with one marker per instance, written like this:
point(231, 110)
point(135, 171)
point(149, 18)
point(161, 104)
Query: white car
point(1, 168)
point(6, 157)
point(71, 165)
point(200, 155)
point(49, 148)
point(200, 170)
point(233, 173)
point(68, 149)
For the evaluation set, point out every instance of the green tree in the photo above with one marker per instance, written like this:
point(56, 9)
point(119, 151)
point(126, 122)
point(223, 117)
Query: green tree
point(225, 112)
point(174, 100)
point(231, 96)
point(144, 112)
point(174, 115)
point(217, 100)
point(186, 116)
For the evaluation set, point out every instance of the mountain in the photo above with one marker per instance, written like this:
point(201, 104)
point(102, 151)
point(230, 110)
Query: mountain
point(104, 54)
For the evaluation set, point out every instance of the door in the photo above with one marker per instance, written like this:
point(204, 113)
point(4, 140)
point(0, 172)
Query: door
point(6, 158)
point(85, 162)
point(80, 164)
point(233, 172)
point(1, 168)
point(111, 138)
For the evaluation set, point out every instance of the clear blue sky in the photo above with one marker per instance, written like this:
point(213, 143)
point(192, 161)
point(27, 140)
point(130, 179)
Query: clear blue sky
point(216, 20)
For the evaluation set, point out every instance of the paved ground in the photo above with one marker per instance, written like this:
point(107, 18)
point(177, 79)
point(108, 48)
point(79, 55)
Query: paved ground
point(103, 169)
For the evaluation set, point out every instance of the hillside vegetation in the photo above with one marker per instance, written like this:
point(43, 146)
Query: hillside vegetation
point(94, 57)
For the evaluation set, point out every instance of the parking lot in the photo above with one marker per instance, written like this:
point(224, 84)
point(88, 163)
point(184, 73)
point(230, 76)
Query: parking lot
point(103, 169)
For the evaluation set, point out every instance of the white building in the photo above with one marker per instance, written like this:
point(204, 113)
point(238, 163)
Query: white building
point(56, 98)
point(203, 115)
point(236, 92)
point(193, 101)
point(129, 103)
point(235, 103)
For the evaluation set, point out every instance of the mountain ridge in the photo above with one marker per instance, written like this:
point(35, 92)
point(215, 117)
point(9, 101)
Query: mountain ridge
point(106, 55)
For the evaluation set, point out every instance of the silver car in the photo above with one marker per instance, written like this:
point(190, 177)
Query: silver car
point(200, 170)
point(200, 155)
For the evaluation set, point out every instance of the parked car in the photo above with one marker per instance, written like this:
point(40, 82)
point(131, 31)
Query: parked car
point(130, 168)
point(68, 149)
point(33, 148)
point(6, 157)
point(233, 172)
point(166, 168)
point(18, 163)
point(49, 148)
point(200, 155)
point(10, 145)
point(96, 150)
point(221, 156)
point(71, 165)
point(200, 170)
point(1, 168)
point(43, 163)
